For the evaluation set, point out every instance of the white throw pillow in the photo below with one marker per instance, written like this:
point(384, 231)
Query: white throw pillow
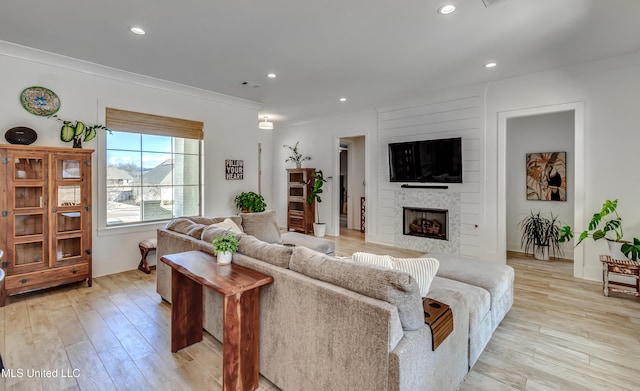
point(373, 259)
point(229, 225)
point(423, 270)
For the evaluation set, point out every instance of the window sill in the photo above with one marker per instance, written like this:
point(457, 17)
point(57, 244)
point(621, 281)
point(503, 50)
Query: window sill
point(131, 228)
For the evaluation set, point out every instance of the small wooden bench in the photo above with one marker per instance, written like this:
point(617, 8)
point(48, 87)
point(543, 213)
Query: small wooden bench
point(145, 246)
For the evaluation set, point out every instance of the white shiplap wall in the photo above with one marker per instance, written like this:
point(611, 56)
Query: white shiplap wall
point(460, 116)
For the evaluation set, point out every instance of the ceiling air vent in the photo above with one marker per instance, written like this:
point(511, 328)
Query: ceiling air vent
point(488, 3)
point(251, 84)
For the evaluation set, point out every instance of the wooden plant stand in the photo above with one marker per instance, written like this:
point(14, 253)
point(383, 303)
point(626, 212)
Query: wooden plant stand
point(620, 267)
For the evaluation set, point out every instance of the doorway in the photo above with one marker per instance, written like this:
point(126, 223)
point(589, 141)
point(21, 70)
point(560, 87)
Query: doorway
point(351, 183)
point(577, 108)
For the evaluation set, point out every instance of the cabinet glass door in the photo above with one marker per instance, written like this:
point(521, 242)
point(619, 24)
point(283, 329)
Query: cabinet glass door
point(27, 245)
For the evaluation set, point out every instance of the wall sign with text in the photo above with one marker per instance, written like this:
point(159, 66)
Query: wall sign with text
point(234, 170)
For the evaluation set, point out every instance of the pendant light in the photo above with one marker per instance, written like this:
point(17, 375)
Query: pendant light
point(266, 125)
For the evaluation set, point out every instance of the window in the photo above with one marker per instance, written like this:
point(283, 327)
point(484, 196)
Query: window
point(153, 168)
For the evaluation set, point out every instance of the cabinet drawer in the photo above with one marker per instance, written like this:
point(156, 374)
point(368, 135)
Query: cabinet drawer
point(26, 280)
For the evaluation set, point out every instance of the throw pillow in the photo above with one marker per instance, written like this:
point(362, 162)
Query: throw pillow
point(423, 270)
point(229, 225)
point(374, 259)
point(262, 225)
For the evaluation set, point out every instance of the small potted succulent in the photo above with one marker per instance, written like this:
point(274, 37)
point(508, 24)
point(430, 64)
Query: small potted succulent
point(295, 156)
point(224, 246)
point(250, 202)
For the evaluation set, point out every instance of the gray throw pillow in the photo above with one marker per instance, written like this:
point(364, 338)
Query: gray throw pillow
point(262, 226)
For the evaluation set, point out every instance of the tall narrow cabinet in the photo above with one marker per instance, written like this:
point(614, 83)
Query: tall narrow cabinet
point(46, 217)
point(300, 214)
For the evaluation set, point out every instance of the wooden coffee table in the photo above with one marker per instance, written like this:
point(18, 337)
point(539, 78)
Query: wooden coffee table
point(240, 287)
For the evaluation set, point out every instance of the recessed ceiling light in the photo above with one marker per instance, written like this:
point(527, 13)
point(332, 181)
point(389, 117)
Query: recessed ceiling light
point(446, 9)
point(271, 75)
point(342, 99)
point(137, 30)
point(490, 65)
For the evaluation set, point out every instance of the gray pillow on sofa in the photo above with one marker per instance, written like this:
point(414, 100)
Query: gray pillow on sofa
point(262, 225)
point(187, 226)
point(395, 287)
point(273, 253)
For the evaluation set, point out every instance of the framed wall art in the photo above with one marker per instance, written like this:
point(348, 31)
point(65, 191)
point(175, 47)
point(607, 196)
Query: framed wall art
point(547, 176)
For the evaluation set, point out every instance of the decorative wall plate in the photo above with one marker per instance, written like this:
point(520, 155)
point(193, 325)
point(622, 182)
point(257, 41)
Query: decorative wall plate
point(40, 101)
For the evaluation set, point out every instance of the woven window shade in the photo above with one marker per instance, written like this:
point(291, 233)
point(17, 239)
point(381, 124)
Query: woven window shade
point(129, 121)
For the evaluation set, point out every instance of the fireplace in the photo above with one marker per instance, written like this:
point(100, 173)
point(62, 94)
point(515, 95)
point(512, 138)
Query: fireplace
point(426, 223)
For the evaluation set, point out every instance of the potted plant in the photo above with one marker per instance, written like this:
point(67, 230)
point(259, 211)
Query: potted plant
point(78, 131)
point(295, 156)
point(540, 235)
point(250, 202)
point(224, 246)
point(606, 224)
point(319, 229)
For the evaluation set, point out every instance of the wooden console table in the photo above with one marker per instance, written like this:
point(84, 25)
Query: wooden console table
point(240, 287)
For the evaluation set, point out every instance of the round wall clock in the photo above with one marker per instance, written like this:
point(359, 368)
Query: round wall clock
point(40, 101)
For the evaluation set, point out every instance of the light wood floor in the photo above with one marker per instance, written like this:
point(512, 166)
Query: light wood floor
point(562, 334)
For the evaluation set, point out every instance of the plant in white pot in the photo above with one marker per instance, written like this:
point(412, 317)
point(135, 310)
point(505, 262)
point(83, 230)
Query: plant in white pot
point(540, 235)
point(606, 224)
point(224, 246)
point(295, 156)
point(319, 229)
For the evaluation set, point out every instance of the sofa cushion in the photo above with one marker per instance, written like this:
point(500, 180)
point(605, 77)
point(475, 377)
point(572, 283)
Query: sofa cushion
point(396, 288)
point(494, 277)
point(213, 220)
point(211, 232)
point(228, 224)
point(422, 269)
point(321, 245)
point(186, 226)
point(273, 253)
point(373, 259)
point(262, 225)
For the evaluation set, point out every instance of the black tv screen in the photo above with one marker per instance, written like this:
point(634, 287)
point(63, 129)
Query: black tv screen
point(438, 161)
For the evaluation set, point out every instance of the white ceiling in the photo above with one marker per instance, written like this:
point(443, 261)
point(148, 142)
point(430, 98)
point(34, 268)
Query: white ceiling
point(375, 52)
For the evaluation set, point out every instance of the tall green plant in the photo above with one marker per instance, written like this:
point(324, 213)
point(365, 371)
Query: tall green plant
point(539, 232)
point(605, 224)
point(316, 190)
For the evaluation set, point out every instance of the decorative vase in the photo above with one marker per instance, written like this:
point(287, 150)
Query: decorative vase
point(615, 250)
point(298, 164)
point(319, 229)
point(541, 252)
point(77, 142)
point(224, 257)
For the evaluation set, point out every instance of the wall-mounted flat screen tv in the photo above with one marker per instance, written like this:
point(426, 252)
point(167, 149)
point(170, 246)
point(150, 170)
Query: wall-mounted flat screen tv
point(425, 161)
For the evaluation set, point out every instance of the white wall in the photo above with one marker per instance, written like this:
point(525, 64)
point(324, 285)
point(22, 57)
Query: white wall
point(552, 132)
point(85, 89)
point(319, 139)
point(456, 113)
point(266, 141)
point(610, 91)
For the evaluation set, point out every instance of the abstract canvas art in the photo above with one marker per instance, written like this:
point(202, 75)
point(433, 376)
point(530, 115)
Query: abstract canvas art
point(547, 176)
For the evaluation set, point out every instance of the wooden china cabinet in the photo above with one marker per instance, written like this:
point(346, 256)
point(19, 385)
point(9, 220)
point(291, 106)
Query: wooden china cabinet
point(300, 213)
point(46, 217)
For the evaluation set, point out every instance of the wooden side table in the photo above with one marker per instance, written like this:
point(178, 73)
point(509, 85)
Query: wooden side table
point(240, 287)
point(621, 267)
